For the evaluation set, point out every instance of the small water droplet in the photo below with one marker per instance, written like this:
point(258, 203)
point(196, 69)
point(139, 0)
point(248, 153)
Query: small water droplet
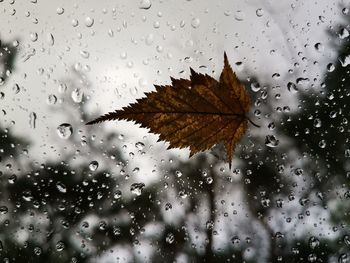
point(65, 130)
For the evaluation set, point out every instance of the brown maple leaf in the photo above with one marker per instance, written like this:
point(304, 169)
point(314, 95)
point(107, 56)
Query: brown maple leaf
point(196, 113)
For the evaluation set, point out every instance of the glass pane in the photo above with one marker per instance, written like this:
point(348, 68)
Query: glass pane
point(206, 157)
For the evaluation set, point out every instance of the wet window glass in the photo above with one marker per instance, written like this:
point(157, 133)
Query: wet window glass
point(174, 131)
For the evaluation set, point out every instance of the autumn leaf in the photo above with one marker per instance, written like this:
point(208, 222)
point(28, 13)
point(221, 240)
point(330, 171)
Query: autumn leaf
point(196, 113)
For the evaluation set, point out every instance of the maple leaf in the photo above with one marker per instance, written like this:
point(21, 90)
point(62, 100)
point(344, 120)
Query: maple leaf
point(196, 113)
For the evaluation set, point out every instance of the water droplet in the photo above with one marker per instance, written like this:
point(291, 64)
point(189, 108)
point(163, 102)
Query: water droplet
point(259, 12)
point(145, 4)
point(330, 67)
point(65, 130)
point(27, 196)
point(255, 86)
point(32, 120)
point(84, 54)
point(235, 240)
point(317, 123)
point(12, 179)
point(62, 88)
point(195, 22)
point(313, 242)
point(51, 99)
point(117, 194)
point(343, 258)
point(3, 210)
point(77, 95)
point(265, 202)
point(239, 15)
point(89, 21)
point(93, 166)
point(279, 203)
point(292, 87)
point(170, 238)
point(345, 11)
point(61, 187)
point(183, 194)
point(303, 81)
point(140, 146)
point(37, 251)
point(319, 47)
point(16, 89)
point(178, 173)
point(136, 188)
point(149, 39)
point(33, 36)
point(75, 22)
point(344, 60)
point(60, 10)
point(271, 141)
point(344, 33)
point(168, 206)
point(60, 246)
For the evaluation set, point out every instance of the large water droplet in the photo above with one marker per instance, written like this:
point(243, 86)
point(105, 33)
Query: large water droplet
point(93, 166)
point(239, 15)
point(61, 187)
point(271, 141)
point(65, 130)
point(50, 39)
point(89, 21)
point(195, 22)
point(60, 246)
point(77, 95)
point(145, 4)
point(32, 120)
point(136, 188)
point(313, 242)
point(344, 33)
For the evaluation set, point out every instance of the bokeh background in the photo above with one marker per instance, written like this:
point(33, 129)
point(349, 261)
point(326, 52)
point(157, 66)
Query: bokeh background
point(112, 193)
